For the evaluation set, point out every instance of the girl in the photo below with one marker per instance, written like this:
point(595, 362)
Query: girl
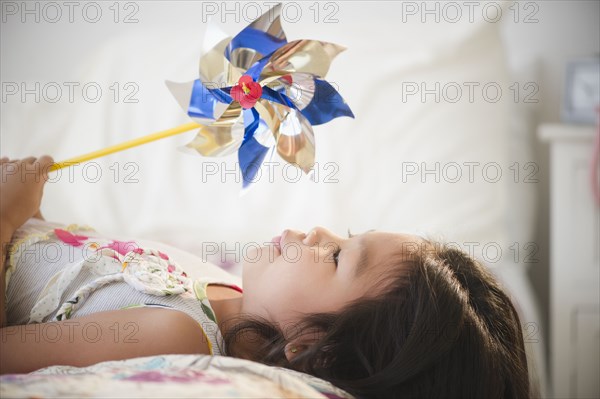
point(378, 314)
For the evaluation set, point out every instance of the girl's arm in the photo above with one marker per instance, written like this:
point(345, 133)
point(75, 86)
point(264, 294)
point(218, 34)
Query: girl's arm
point(6, 233)
point(21, 189)
point(111, 335)
point(83, 341)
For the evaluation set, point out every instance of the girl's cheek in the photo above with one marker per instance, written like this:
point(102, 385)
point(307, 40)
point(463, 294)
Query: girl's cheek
point(316, 258)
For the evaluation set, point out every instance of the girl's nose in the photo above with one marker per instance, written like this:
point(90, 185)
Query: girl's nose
point(292, 235)
point(318, 235)
point(311, 238)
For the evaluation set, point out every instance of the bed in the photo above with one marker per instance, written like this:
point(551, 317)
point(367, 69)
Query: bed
point(181, 376)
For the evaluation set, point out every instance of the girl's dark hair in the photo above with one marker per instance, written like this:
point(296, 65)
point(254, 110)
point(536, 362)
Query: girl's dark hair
point(441, 327)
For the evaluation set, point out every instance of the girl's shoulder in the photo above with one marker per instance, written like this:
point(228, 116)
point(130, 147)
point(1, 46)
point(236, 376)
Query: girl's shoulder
point(218, 291)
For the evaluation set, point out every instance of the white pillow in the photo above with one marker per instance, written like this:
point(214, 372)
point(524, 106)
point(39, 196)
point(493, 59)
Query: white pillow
point(171, 203)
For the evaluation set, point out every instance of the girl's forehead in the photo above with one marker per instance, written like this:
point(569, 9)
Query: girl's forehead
point(382, 240)
point(380, 245)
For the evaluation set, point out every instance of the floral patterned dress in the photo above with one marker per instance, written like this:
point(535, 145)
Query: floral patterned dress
point(57, 272)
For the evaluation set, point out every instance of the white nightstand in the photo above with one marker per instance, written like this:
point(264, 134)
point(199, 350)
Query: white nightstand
point(575, 264)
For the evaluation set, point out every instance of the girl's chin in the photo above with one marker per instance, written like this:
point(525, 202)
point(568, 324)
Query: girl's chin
point(259, 257)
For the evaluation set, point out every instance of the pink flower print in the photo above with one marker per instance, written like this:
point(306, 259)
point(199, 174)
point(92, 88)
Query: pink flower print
point(171, 268)
point(163, 255)
point(176, 376)
point(122, 247)
point(69, 238)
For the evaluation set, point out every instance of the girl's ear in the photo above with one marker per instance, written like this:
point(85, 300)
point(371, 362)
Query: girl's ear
point(300, 344)
point(292, 350)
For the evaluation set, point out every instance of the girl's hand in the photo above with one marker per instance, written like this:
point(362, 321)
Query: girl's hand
point(21, 188)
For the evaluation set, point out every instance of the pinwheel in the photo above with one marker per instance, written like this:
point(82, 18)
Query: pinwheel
point(256, 92)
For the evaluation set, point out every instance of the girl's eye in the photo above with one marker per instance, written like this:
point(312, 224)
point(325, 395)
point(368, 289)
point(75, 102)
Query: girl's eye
point(338, 250)
point(336, 256)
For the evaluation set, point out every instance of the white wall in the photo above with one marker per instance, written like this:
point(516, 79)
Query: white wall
point(566, 30)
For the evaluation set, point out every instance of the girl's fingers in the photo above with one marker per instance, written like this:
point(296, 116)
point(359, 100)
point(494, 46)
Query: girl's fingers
point(24, 160)
point(45, 162)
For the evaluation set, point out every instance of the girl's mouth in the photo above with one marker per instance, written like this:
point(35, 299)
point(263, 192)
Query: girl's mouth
point(277, 242)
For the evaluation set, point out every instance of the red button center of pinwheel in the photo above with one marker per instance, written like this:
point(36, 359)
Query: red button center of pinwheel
point(246, 92)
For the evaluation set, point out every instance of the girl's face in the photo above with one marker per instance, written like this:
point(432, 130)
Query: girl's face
point(315, 272)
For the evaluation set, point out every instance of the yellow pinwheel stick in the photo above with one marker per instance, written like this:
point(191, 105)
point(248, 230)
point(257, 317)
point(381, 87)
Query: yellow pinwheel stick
point(125, 145)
